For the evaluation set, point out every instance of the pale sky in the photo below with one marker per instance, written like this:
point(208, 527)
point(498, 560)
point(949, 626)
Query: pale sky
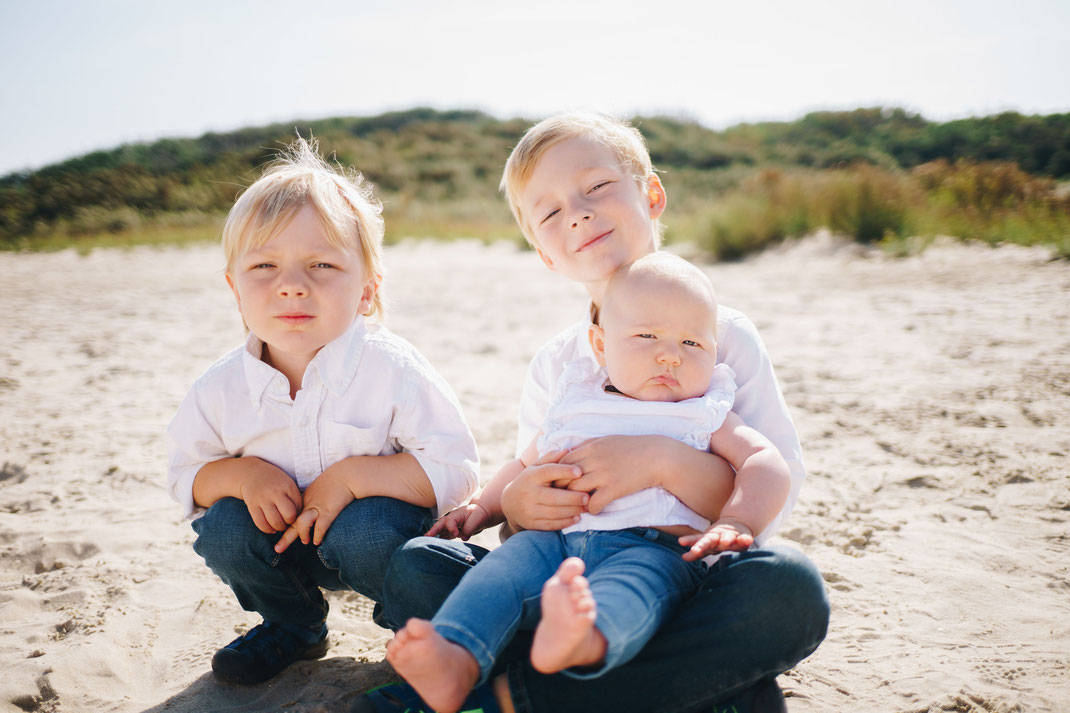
point(80, 75)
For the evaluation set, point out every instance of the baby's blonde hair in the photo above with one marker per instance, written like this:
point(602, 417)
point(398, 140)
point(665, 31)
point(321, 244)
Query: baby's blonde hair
point(623, 139)
point(348, 212)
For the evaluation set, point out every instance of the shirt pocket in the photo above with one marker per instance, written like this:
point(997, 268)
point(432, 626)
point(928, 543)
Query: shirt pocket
point(342, 440)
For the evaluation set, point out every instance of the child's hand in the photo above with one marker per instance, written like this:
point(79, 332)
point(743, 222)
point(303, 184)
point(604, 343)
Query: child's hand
point(531, 502)
point(271, 496)
point(324, 499)
point(462, 522)
point(615, 466)
point(723, 536)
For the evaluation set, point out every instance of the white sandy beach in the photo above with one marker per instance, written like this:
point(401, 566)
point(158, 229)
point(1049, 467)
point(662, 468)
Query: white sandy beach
point(932, 396)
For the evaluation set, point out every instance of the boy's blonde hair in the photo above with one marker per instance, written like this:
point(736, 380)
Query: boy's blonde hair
point(623, 139)
point(347, 210)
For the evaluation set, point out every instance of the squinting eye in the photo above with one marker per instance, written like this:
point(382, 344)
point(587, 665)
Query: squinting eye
point(645, 336)
point(262, 264)
point(549, 215)
point(323, 264)
point(599, 185)
point(691, 343)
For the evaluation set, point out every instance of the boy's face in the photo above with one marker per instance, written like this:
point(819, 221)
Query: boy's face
point(657, 342)
point(297, 292)
point(586, 213)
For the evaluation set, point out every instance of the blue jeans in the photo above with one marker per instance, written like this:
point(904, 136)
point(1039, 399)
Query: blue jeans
point(755, 615)
point(285, 588)
point(637, 578)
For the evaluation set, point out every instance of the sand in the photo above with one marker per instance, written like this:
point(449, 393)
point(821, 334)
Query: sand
point(932, 395)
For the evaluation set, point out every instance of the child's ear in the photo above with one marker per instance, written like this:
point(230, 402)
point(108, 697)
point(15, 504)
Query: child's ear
point(233, 288)
point(656, 196)
point(598, 343)
point(367, 295)
point(545, 260)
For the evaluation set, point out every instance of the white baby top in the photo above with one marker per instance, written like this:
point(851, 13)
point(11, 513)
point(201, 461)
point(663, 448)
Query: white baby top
point(759, 401)
point(584, 409)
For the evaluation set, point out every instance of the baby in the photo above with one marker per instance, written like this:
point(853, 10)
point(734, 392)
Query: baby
point(654, 372)
point(322, 427)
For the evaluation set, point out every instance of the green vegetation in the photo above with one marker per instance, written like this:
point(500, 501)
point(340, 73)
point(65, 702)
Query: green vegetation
point(990, 201)
point(880, 175)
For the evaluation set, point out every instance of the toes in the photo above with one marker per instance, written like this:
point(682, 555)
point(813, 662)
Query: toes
point(570, 569)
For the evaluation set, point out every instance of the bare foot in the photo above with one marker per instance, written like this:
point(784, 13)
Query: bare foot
point(442, 672)
point(566, 635)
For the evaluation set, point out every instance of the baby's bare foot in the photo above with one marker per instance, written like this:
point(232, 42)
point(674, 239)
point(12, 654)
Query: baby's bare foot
point(566, 635)
point(442, 672)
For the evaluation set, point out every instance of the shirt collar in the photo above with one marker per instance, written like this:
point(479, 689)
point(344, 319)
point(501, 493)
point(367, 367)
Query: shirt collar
point(336, 363)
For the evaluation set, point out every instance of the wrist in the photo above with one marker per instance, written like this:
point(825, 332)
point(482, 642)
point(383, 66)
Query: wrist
point(494, 515)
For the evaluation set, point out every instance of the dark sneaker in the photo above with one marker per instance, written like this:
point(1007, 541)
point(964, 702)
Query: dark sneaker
point(262, 653)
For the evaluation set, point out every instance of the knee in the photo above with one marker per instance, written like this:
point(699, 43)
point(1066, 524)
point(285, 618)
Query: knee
point(795, 596)
point(421, 574)
point(228, 537)
point(369, 530)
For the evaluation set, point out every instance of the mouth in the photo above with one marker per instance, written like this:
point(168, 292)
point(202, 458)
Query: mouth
point(293, 319)
point(666, 380)
point(593, 241)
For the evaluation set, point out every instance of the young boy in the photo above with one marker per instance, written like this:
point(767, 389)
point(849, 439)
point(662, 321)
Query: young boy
point(322, 427)
point(584, 193)
point(656, 348)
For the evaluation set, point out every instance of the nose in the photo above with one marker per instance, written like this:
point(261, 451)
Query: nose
point(668, 354)
point(580, 219)
point(580, 213)
point(292, 283)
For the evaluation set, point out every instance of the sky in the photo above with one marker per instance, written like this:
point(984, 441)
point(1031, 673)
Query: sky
point(82, 75)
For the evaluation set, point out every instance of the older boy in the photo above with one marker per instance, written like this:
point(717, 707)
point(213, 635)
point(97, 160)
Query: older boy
point(583, 191)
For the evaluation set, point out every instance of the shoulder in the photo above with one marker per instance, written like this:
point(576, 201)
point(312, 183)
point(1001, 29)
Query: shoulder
point(393, 356)
point(226, 370)
point(737, 339)
point(564, 346)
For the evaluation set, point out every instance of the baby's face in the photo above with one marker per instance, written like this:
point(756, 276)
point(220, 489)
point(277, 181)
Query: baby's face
point(659, 342)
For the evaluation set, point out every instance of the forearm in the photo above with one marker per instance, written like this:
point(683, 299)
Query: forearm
point(397, 476)
point(490, 497)
point(700, 480)
point(223, 479)
point(762, 486)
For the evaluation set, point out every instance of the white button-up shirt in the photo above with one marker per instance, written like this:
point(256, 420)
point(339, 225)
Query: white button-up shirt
point(368, 392)
point(759, 401)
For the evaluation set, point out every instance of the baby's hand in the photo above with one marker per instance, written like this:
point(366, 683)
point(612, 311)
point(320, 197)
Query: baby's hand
point(723, 536)
point(462, 522)
point(324, 499)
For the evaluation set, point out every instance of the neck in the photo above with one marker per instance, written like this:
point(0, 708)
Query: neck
point(596, 289)
point(292, 366)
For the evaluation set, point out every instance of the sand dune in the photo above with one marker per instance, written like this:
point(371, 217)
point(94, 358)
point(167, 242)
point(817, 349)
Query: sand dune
point(931, 393)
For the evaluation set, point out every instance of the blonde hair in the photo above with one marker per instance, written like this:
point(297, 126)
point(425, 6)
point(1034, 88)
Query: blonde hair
point(350, 216)
point(621, 138)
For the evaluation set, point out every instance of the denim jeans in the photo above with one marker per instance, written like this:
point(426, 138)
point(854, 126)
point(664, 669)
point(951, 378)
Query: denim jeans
point(285, 588)
point(755, 615)
point(637, 577)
